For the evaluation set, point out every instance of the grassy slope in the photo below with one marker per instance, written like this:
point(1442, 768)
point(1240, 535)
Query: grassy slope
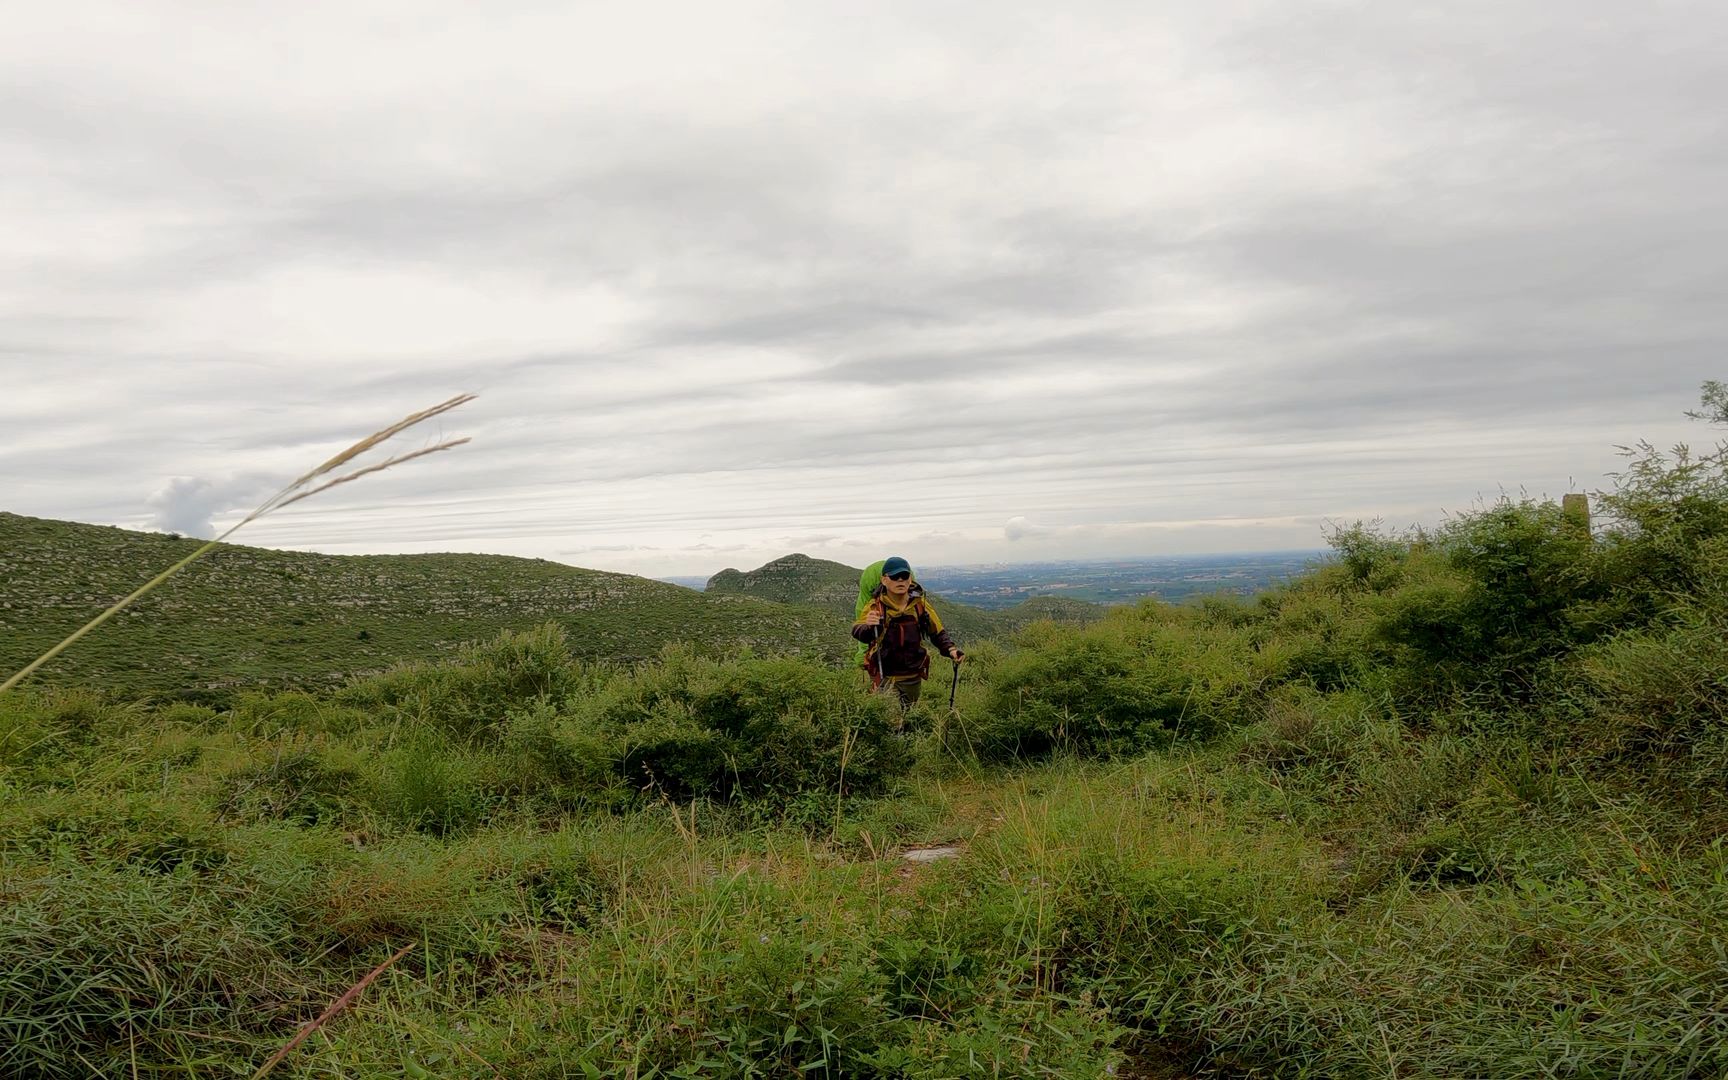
point(832, 586)
point(246, 617)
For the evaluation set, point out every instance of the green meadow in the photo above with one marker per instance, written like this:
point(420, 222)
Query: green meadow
point(1449, 805)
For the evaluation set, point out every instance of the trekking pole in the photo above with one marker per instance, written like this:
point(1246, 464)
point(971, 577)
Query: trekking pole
point(952, 690)
point(880, 678)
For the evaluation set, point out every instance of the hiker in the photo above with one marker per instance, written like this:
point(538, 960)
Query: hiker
point(893, 618)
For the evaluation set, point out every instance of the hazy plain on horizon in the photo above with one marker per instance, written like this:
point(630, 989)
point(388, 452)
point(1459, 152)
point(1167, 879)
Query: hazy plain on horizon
point(972, 283)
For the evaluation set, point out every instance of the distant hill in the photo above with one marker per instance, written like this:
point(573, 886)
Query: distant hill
point(831, 586)
point(244, 617)
point(794, 579)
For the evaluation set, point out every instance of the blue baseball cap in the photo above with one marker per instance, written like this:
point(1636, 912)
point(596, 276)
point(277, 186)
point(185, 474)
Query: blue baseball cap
point(894, 564)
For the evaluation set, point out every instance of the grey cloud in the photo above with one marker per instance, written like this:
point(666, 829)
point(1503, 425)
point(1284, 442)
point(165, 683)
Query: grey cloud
point(1434, 236)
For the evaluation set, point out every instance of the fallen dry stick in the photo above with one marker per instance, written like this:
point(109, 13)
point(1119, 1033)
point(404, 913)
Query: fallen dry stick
point(335, 1007)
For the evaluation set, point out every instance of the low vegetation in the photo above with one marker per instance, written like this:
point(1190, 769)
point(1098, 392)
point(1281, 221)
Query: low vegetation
point(1449, 805)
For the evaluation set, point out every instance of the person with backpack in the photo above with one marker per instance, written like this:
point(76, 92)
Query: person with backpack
point(892, 620)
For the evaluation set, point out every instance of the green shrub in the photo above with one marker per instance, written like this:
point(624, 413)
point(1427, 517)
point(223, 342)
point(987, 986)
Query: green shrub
point(1528, 565)
point(292, 779)
point(1139, 680)
point(1663, 694)
point(1668, 520)
point(670, 753)
point(1368, 559)
point(1087, 691)
point(749, 728)
point(685, 727)
point(1314, 635)
point(557, 761)
point(469, 697)
point(795, 726)
point(429, 784)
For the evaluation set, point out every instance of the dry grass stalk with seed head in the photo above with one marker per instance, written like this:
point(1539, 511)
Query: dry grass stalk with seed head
point(319, 479)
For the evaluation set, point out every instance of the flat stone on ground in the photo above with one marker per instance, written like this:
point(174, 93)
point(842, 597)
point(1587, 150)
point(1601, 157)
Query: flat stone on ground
point(932, 854)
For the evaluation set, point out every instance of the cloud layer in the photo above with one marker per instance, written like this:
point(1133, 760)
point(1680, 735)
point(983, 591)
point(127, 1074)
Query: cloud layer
point(972, 281)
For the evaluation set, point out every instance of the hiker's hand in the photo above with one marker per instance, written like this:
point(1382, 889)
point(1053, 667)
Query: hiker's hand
point(873, 617)
point(956, 655)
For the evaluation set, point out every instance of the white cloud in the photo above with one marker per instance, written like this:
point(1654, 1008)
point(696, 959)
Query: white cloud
point(188, 505)
point(1019, 528)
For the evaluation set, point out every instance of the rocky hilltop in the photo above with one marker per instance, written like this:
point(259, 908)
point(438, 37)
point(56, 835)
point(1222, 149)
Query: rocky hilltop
point(794, 579)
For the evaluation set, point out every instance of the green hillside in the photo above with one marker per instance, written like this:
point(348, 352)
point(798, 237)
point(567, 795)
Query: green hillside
point(832, 586)
point(246, 617)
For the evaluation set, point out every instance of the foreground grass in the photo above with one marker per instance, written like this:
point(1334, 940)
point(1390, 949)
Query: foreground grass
point(181, 889)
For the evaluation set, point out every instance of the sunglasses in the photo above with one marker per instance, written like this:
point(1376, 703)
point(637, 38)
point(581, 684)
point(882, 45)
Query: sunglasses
point(904, 575)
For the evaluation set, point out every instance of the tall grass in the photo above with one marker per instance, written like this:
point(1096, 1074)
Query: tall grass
point(321, 478)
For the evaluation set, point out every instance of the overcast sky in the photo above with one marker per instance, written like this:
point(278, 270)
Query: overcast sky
point(966, 282)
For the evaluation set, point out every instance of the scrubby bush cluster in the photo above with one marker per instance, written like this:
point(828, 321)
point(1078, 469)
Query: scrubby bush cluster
point(1515, 620)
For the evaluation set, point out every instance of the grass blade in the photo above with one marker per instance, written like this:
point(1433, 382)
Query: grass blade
point(292, 493)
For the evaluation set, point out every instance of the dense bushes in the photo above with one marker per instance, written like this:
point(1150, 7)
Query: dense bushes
point(1513, 619)
point(520, 719)
point(468, 698)
point(751, 727)
point(1139, 680)
point(511, 727)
